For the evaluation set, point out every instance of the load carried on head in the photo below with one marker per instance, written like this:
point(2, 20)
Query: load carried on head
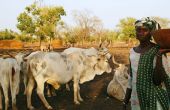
point(162, 38)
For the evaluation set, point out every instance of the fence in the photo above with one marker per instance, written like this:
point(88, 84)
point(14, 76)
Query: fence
point(11, 44)
point(14, 44)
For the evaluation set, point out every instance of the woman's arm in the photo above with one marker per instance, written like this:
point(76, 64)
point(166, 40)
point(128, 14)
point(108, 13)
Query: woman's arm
point(128, 90)
point(159, 74)
point(127, 98)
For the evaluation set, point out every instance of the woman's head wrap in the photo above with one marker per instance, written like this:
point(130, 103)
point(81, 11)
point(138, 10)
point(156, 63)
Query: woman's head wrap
point(148, 22)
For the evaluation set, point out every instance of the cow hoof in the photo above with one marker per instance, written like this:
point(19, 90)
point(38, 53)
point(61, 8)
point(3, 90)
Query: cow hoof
point(25, 92)
point(48, 93)
point(14, 107)
point(81, 100)
point(68, 88)
point(53, 93)
point(49, 108)
point(31, 108)
point(77, 102)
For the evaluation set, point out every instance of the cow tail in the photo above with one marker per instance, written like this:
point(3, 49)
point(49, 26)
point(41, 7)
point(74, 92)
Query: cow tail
point(12, 74)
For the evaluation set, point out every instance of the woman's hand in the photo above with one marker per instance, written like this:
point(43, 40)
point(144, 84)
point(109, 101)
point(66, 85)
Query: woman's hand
point(124, 106)
point(127, 98)
point(159, 71)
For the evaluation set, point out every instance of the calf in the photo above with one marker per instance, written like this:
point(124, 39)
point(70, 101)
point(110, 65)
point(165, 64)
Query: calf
point(117, 86)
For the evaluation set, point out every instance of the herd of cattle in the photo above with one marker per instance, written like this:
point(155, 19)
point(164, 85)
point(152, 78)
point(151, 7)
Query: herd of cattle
point(56, 68)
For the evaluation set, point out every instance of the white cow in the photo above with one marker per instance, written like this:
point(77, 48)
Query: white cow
point(117, 86)
point(9, 79)
point(59, 68)
point(102, 49)
point(88, 52)
point(23, 66)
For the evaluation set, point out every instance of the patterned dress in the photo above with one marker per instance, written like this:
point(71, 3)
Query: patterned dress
point(134, 60)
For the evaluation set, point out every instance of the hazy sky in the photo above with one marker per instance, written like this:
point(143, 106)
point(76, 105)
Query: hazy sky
point(109, 11)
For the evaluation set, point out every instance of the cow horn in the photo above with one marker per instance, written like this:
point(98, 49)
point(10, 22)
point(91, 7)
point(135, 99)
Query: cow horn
point(106, 53)
point(100, 45)
point(114, 61)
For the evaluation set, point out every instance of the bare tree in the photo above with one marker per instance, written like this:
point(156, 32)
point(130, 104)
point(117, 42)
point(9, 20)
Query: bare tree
point(87, 23)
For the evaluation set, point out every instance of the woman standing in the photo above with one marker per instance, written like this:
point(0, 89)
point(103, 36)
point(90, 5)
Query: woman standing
point(149, 84)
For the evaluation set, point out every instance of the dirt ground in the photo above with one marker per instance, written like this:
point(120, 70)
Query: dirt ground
point(93, 92)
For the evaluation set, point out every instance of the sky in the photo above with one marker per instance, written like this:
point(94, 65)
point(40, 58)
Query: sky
point(108, 11)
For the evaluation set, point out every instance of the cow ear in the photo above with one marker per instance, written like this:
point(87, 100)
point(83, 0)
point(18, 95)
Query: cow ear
point(104, 44)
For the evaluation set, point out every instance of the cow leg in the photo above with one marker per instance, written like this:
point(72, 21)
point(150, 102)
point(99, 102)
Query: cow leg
point(79, 97)
point(29, 89)
point(5, 89)
point(67, 87)
point(75, 94)
point(75, 86)
point(48, 91)
point(52, 85)
point(13, 94)
point(25, 83)
point(52, 90)
point(14, 86)
point(0, 100)
point(40, 92)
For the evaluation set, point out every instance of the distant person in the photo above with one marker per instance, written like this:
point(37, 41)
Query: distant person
point(149, 83)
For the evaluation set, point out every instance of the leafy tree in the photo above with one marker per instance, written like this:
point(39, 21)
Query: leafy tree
point(71, 35)
point(126, 28)
point(7, 34)
point(40, 21)
point(26, 24)
point(27, 21)
point(50, 17)
point(112, 36)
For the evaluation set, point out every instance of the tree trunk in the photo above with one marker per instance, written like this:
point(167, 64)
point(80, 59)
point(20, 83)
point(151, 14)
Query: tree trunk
point(40, 41)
